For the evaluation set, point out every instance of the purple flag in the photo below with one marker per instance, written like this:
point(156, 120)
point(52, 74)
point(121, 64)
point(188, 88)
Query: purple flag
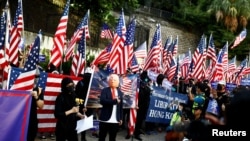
point(14, 116)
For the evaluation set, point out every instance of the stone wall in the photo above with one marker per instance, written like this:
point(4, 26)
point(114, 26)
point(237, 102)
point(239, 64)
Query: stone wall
point(186, 39)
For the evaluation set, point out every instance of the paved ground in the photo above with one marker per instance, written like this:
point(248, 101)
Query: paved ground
point(158, 136)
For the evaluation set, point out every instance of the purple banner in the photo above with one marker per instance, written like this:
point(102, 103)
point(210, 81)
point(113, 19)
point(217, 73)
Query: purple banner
point(14, 115)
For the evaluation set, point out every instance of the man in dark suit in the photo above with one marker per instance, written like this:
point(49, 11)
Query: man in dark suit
point(111, 112)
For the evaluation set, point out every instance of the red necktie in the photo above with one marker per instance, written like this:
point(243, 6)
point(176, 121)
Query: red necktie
point(113, 93)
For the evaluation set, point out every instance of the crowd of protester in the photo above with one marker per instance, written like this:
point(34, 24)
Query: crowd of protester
point(207, 107)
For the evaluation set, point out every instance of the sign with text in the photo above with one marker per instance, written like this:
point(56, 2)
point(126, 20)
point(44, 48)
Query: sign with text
point(163, 104)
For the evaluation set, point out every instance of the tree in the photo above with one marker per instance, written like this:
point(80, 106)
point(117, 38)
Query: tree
point(231, 12)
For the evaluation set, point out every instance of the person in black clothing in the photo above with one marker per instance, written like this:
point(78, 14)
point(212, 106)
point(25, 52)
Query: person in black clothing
point(143, 104)
point(36, 102)
point(66, 112)
point(81, 92)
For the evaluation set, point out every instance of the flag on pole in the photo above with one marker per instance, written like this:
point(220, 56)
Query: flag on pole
point(240, 38)
point(116, 60)
point(15, 35)
point(82, 27)
point(25, 80)
point(106, 33)
point(3, 61)
point(129, 44)
point(198, 60)
point(153, 55)
point(104, 55)
point(59, 38)
point(78, 63)
point(141, 51)
point(133, 110)
point(51, 84)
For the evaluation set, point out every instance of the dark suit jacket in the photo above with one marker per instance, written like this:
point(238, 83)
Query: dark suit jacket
point(107, 104)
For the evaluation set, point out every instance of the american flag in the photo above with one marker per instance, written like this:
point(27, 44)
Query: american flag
point(25, 81)
point(240, 70)
point(83, 26)
point(242, 66)
point(126, 84)
point(116, 60)
point(175, 46)
point(51, 84)
point(104, 55)
point(240, 38)
point(231, 70)
point(133, 112)
point(218, 73)
point(198, 60)
point(141, 51)
point(232, 65)
point(225, 57)
point(134, 64)
point(106, 33)
point(185, 64)
point(15, 35)
point(129, 44)
point(211, 53)
point(170, 55)
point(3, 61)
point(78, 62)
point(172, 70)
point(8, 27)
point(152, 59)
point(165, 50)
point(59, 38)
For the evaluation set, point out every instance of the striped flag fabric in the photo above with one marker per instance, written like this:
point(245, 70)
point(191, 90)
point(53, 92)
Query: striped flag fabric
point(232, 65)
point(172, 70)
point(184, 65)
point(3, 61)
point(106, 33)
point(170, 55)
point(59, 39)
point(239, 38)
point(175, 50)
point(116, 60)
point(152, 59)
point(15, 35)
point(134, 66)
point(133, 110)
point(129, 44)
point(165, 50)
point(51, 84)
point(126, 85)
point(78, 63)
point(198, 60)
point(25, 80)
point(82, 27)
point(104, 55)
point(8, 27)
point(218, 73)
point(211, 53)
point(141, 51)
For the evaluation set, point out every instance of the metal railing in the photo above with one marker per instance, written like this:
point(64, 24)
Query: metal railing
point(155, 12)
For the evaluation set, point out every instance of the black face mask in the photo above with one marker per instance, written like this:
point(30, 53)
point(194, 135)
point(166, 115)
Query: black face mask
point(70, 89)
